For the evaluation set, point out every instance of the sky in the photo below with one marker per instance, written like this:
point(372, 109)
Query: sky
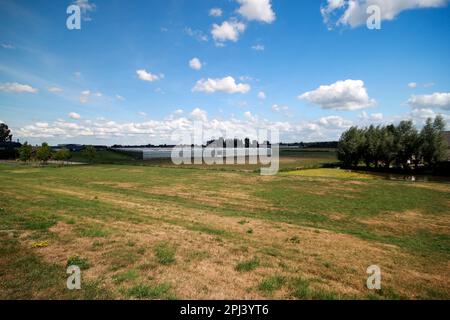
point(139, 71)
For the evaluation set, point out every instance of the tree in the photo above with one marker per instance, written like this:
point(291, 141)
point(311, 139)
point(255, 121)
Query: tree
point(44, 153)
point(440, 142)
point(388, 147)
point(371, 146)
point(5, 133)
point(434, 147)
point(62, 155)
point(350, 146)
point(406, 138)
point(89, 152)
point(25, 152)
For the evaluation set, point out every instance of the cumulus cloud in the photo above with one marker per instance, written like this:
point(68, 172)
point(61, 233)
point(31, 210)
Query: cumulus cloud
point(195, 64)
point(353, 13)
point(162, 131)
point(259, 10)
point(147, 76)
point(227, 31)
point(215, 12)
point(199, 115)
point(341, 95)
point(412, 85)
point(17, 88)
point(261, 95)
point(74, 115)
point(226, 85)
point(439, 100)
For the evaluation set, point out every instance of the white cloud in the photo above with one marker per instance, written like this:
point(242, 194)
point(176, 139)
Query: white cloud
point(353, 12)
point(422, 113)
point(163, 131)
point(282, 109)
point(376, 116)
point(341, 95)
point(84, 96)
point(119, 97)
point(412, 85)
point(227, 85)
point(436, 100)
point(278, 108)
point(258, 47)
point(195, 64)
point(259, 10)
point(55, 90)
point(147, 76)
point(196, 34)
point(227, 31)
point(74, 115)
point(7, 46)
point(85, 7)
point(142, 114)
point(17, 88)
point(372, 117)
point(261, 95)
point(215, 12)
point(199, 115)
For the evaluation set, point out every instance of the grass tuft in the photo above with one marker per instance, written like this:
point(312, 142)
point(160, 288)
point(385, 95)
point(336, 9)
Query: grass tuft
point(165, 253)
point(271, 284)
point(246, 266)
point(82, 263)
point(142, 291)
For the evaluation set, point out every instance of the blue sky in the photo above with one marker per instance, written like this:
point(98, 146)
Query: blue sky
point(126, 77)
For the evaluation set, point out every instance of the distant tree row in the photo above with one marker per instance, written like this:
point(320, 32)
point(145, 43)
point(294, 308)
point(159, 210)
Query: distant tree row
point(44, 153)
point(399, 145)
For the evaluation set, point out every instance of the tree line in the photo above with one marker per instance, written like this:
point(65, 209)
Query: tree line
point(44, 153)
point(401, 146)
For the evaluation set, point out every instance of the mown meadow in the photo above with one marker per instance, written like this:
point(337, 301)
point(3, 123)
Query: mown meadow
point(162, 232)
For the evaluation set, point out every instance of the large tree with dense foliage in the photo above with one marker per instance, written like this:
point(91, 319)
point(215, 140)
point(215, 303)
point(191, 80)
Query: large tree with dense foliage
point(400, 145)
point(25, 152)
point(350, 146)
point(44, 153)
point(5, 133)
point(62, 155)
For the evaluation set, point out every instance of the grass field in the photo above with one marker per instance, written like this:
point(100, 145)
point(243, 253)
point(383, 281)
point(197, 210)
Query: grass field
point(159, 232)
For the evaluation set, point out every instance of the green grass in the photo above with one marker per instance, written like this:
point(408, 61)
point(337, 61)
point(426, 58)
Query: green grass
point(125, 276)
point(142, 291)
point(93, 232)
point(271, 284)
point(82, 263)
point(249, 265)
point(165, 253)
point(34, 200)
